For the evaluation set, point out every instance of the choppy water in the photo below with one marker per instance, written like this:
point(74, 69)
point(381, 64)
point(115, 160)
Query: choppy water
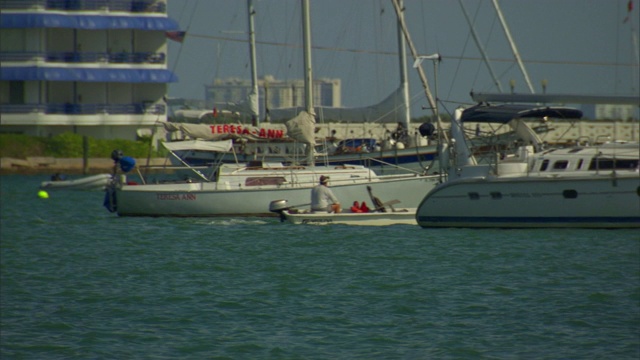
point(79, 282)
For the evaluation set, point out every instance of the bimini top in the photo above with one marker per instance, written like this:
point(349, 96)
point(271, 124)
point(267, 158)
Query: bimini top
point(90, 22)
point(507, 112)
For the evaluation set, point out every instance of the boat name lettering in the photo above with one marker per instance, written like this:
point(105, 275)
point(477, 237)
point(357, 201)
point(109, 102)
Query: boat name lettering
point(247, 130)
point(176, 196)
point(311, 221)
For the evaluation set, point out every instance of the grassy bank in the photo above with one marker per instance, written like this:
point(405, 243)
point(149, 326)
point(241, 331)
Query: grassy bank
point(70, 145)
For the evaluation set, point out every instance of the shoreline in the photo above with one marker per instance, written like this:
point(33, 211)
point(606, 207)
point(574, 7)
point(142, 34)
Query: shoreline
point(70, 166)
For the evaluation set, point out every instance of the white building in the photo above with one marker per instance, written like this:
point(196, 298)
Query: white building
point(92, 67)
point(273, 93)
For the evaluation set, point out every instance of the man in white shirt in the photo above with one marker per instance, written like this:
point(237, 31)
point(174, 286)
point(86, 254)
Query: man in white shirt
point(323, 199)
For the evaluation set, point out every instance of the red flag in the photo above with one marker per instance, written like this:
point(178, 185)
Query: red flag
point(176, 35)
point(629, 9)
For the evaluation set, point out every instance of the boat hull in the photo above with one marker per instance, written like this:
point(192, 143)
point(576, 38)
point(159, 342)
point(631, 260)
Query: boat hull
point(206, 199)
point(93, 182)
point(525, 202)
point(399, 217)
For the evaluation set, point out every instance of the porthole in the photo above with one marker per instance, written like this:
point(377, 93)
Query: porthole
point(544, 165)
point(496, 195)
point(474, 196)
point(570, 194)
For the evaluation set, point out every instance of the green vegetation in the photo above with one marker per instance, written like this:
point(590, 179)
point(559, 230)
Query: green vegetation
point(70, 145)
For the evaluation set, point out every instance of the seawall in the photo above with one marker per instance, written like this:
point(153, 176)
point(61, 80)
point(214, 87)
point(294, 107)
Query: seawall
point(51, 165)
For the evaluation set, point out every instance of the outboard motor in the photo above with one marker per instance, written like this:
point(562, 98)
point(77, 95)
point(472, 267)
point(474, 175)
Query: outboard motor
point(279, 207)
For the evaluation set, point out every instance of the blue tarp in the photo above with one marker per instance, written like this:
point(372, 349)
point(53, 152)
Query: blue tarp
point(34, 73)
point(91, 22)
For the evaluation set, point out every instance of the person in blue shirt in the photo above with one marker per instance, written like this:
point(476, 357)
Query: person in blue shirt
point(323, 199)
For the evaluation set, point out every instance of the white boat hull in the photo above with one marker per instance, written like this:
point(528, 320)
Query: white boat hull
point(93, 182)
point(529, 202)
point(206, 199)
point(399, 217)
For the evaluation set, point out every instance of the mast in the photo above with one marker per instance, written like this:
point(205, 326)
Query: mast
point(308, 75)
point(414, 53)
point(253, 95)
point(480, 47)
point(443, 139)
point(404, 79)
point(306, 40)
point(514, 49)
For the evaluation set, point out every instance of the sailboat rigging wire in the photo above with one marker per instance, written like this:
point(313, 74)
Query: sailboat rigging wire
point(175, 63)
point(392, 53)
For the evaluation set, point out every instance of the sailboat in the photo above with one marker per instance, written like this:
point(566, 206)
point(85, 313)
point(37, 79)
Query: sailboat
point(270, 142)
point(595, 186)
point(248, 189)
point(580, 187)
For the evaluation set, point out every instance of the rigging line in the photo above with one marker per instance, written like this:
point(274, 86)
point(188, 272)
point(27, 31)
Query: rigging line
point(220, 49)
point(459, 65)
point(391, 53)
point(186, 31)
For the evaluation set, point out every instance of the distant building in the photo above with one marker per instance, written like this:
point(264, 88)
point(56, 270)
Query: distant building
point(278, 93)
point(96, 68)
point(609, 112)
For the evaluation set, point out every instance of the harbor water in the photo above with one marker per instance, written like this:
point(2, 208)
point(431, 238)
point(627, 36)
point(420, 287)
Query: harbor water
point(78, 282)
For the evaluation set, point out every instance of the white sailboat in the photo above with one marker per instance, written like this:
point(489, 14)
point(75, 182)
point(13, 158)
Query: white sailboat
point(406, 153)
point(581, 187)
point(247, 189)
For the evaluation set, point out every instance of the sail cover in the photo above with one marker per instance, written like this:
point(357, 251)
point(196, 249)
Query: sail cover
point(228, 131)
point(302, 128)
point(219, 146)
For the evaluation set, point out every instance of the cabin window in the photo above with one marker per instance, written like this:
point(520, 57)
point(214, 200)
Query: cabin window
point(560, 165)
point(618, 164)
point(544, 165)
point(570, 194)
point(260, 181)
point(474, 196)
point(579, 164)
point(496, 195)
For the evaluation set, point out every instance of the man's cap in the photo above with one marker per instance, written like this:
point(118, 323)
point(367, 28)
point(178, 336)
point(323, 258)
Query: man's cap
point(324, 179)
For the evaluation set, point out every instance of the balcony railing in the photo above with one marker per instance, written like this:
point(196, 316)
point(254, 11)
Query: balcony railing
point(135, 6)
point(84, 109)
point(86, 57)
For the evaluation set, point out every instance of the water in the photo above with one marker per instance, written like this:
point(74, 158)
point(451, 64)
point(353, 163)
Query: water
point(79, 282)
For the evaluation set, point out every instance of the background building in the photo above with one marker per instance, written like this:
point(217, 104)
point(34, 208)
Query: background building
point(96, 68)
point(273, 93)
point(610, 111)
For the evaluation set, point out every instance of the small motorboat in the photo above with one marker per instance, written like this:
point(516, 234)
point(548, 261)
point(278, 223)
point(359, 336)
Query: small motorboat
point(388, 215)
point(93, 182)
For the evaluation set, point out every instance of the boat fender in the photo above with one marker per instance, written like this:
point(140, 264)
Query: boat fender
point(427, 129)
point(127, 163)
